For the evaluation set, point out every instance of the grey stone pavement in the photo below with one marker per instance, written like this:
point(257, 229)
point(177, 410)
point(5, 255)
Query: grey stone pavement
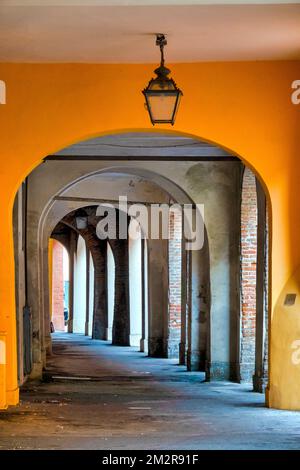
point(130, 401)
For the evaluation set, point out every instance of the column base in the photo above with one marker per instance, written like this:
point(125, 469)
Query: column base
point(182, 354)
point(37, 371)
point(218, 371)
point(70, 326)
point(157, 347)
point(246, 372)
point(259, 383)
point(100, 333)
point(12, 397)
point(48, 347)
point(135, 340)
point(120, 343)
point(109, 334)
point(195, 361)
point(173, 349)
point(86, 328)
point(143, 345)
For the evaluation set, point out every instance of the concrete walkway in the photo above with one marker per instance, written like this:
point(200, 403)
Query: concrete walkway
point(133, 402)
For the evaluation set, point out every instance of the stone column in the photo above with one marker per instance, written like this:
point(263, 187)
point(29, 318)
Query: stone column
point(135, 289)
point(175, 282)
point(110, 290)
point(121, 323)
point(158, 297)
point(142, 342)
point(222, 219)
point(261, 365)
point(73, 242)
point(198, 308)
point(100, 320)
point(87, 311)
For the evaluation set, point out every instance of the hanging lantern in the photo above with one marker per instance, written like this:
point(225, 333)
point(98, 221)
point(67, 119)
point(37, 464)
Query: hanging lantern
point(162, 95)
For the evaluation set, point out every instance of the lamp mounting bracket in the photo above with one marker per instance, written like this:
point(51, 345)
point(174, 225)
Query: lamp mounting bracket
point(161, 40)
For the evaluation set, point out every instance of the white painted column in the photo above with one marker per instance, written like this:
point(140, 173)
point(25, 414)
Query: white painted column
point(91, 297)
point(80, 288)
point(66, 278)
point(135, 285)
point(110, 290)
point(144, 340)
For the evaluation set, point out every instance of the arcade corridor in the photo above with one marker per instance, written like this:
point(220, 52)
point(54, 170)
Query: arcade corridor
point(131, 400)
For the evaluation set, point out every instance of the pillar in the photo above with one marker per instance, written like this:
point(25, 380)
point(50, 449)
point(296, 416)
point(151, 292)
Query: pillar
point(143, 342)
point(19, 252)
point(248, 275)
point(260, 376)
point(110, 290)
point(198, 308)
point(175, 266)
point(87, 296)
point(100, 320)
point(135, 287)
point(91, 295)
point(184, 301)
point(8, 310)
point(158, 297)
point(121, 323)
point(79, 308)
point(73, 242)
point(222, 221)
point(3, 398)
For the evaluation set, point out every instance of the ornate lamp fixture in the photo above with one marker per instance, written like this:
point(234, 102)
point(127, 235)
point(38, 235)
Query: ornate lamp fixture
point(162, 95)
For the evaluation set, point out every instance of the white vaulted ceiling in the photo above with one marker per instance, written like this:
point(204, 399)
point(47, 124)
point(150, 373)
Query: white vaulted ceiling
point(123, 31)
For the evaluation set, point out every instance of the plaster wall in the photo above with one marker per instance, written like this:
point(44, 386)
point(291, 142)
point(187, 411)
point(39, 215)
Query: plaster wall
point(135, 286)
point(250, 113)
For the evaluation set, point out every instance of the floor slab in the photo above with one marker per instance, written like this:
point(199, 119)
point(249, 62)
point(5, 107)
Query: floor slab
point(117, 398)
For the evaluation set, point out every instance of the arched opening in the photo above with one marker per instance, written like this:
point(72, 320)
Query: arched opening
point(182, 308)
point(59, 272)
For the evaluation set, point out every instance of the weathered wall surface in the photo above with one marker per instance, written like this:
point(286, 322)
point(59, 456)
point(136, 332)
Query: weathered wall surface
point(216, 271)
point(175, 234)
point(57, 287)
point(248, 274)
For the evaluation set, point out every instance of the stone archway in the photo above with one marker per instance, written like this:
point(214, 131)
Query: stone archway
point(191, 180)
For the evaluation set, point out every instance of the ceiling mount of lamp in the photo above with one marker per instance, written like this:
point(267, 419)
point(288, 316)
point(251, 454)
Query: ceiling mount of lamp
point(162, 95)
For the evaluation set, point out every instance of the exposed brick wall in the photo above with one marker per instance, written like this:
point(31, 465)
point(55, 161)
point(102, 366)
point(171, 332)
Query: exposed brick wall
point(266, 291)
point(248, 274)
point(57, 287)
point(175, 234)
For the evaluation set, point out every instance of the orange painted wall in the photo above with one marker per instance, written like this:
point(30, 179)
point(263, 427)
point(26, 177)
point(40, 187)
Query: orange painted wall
point(245, 107)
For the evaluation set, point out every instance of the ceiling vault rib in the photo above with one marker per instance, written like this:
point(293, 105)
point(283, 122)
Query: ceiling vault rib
point(228, 158)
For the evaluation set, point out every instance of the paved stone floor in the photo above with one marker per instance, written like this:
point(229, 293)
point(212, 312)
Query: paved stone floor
point(134, 402)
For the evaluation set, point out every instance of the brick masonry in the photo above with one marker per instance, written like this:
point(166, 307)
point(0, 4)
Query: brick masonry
point(57, 287)
point(175, 235)
point(248, 275)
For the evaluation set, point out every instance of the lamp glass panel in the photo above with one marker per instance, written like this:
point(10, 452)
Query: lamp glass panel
point(162, 106)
